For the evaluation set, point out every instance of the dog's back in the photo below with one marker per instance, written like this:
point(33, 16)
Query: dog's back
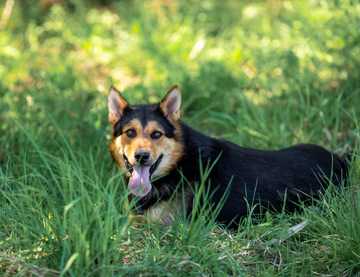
point(273, 177)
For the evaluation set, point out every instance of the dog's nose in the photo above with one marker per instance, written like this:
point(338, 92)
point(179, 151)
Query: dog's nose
point(142, 157)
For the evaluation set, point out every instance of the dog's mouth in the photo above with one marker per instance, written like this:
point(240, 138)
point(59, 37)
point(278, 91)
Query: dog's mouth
point(152, 168)
point(128, 164)
point(155, 165)
point(139, 182)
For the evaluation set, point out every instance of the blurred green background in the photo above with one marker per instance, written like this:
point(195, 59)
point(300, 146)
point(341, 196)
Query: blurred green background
point(245, 68)
point(265, 74)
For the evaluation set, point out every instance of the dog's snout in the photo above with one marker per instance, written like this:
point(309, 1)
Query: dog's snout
point(142, 157)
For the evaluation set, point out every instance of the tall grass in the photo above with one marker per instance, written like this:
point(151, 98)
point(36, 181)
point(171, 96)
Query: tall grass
point(68, 213)
point(262, 74)
point(63, 211)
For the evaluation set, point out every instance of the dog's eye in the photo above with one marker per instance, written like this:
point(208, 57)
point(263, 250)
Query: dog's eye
point(156, 135)
point(130, 133)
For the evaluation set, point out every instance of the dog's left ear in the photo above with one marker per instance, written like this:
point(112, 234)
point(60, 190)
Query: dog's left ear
point(116, 104)
point(170, 105)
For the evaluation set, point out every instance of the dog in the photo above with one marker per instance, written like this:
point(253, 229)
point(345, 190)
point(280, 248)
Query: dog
point(156, 152)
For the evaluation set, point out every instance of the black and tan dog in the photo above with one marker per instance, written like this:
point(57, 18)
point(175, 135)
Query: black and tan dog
point(156, 152)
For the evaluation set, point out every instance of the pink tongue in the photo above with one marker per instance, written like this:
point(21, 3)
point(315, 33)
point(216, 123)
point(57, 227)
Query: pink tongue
point(140, 181)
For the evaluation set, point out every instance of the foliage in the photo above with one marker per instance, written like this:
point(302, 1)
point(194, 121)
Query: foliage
point(263, 74)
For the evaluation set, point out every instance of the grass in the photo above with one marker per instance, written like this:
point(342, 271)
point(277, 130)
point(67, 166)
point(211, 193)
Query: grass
point(262, 74)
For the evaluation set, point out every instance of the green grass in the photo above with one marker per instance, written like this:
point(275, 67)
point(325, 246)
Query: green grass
point(262, 74)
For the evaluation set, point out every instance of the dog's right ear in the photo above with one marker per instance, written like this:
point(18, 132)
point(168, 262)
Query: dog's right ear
point(170, 105)
point(117, 105)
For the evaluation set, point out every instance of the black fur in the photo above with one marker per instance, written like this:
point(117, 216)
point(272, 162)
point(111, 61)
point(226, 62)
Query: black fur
point(144, 113)
point(298, 171)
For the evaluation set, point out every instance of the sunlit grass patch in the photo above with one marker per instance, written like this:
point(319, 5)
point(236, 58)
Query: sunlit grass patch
point(265, 74)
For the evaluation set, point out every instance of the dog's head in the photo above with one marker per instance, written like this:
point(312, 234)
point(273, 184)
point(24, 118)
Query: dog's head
point(146, 141)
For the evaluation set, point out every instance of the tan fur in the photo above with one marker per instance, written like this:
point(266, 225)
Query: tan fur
point(116, 153)
point(171, 148)
point(165, 212)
